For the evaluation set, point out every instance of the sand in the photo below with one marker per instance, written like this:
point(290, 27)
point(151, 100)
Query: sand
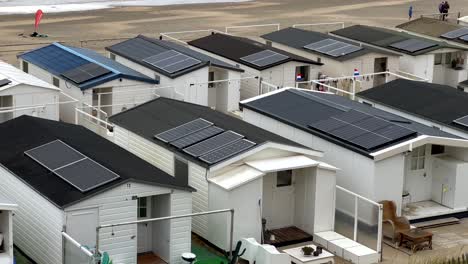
point(127, 22)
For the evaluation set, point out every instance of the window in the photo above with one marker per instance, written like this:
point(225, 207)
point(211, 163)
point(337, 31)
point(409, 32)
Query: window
point(25, 67)
point(56, 82)
point(180, 168)
point(211, 77)
point(437, 149)
point(418, 156)
point(284, 178)
point(112, 56)
point(448, 58)
point(142, 207)
point(438, 59)
point(302, 73)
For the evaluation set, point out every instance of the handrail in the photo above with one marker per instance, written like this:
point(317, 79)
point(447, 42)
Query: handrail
point(78, 245)
point(277, 25)
point(319, 24)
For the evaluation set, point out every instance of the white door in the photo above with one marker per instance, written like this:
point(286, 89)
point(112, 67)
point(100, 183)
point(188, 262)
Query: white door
point(81, 226)
point(443, 191)
point(279, 204)
point(144, 230)
point(417, 180)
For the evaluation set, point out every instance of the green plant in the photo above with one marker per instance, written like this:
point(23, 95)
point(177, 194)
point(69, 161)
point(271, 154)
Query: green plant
point(307, 250)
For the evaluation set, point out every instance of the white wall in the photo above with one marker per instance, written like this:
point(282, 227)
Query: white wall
point(27, 95)
point(6, 229)
point(145, 149)
point(197, 180)
point(421, 65)
point(117, 205)
point(389, 179)
point(37, 224)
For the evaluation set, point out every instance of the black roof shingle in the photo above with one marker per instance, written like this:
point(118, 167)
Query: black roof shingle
point(161, 114)
point(234, 48)
point(25, 132)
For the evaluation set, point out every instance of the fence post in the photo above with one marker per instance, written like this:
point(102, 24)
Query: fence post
point(356, 203)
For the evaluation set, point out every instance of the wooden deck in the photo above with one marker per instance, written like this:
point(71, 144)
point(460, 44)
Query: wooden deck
point(287, 236)
point(149, 258)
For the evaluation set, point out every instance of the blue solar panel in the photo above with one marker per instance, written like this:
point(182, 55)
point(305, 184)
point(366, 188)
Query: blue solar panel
point(54, 59)
point(464, 38)
point(213, 143)
point(455, 33)
point(227, 151)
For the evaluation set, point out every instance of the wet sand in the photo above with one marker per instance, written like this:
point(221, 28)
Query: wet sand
point(129, 21)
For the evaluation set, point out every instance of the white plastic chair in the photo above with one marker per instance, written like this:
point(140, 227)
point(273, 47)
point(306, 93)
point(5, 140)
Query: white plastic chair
point(268, 254)
point(251, 248)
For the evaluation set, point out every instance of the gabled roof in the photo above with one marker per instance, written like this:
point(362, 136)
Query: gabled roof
point(439, 103)
point(384, 38)
point(234, 48)
point(141, 47)
point(162, 114)
point(300, 108)
point(59, 59)
point(16, 138)
point(298, 38)
point(17, 76)
point(431, 27)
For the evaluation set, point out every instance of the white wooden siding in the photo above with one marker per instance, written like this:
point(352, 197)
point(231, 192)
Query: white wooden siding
point(181, 203)
point(117, 205)
point(37, 224)
point(148, 151)
point(197, 180)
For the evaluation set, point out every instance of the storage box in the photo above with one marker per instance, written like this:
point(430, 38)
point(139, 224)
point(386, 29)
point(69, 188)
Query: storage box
point(337, 246)
point(360, 255)
point(322, 238)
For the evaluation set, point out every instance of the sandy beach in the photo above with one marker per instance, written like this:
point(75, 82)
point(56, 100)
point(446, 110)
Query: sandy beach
point(125, 22)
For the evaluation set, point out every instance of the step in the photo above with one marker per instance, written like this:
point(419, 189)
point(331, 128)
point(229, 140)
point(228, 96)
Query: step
point(437, 223)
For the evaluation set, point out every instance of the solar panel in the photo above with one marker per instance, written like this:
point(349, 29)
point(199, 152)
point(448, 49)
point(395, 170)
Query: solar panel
point(4, 82)
point(183, 130)
point(264, 58)
point(54, 155)
point(213, 143)
point(86, 175)
point(361, 129)
point(462, 121)
point(197, 137)
point(412, 45)
point(455, 33)
point(85, 73)
point(171, 61)
point(464, 38)
point(332, 47)
point(72, 166)
point(227, 151)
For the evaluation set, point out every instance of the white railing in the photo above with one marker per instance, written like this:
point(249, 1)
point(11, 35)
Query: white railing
point(379, 207)
point(269, 87)
point(342, 24)
point(276, 25)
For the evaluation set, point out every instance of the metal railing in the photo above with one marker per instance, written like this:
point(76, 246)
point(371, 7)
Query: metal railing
point(167, 34)
point(276, 25)
point(341, 24)
point(83, 251)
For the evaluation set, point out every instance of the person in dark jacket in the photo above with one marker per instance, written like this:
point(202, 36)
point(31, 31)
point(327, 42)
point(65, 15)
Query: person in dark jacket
point(445, 10)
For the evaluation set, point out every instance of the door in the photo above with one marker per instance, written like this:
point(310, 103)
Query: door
point(144, 229)
point(380, 65)
point(417, 181)
point(443, 190)
point(278, 199)
point(81, 226)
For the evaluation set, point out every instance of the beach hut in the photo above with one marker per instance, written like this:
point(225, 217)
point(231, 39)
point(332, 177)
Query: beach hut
point(276, 67)
point(6, 230)
point(24, 94)
point(274, 185)
point(89, 77)
point(192, 76)
point(66, 178)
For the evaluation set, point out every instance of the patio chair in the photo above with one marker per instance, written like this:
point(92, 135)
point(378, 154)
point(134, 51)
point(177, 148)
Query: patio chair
point(392, 224)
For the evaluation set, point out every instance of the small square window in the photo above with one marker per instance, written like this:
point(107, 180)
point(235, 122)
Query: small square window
point(25, 67)
point(56, 82)
point(142, 207)
point(418, 157)
point(438, 59)
point(284, 178)
point(211, 77)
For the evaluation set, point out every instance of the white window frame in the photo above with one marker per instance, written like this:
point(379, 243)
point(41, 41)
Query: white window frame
point(418, 159)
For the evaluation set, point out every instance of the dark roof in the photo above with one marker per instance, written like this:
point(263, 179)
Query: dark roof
point(141, 47)
point(16, 138)
point(58, 59)
point(298, 38)
point(431, 27)
point(161, 114)
point(383, 37)
point(289, 106)
point(234, 48)
point(439, 103)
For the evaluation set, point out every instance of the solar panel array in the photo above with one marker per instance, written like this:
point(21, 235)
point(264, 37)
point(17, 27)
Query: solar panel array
point(458, 33)
point(73, 167)
point(333, 47)
point(203, 140)
point(413, 45)
point(4, 82)
point(462, 121)
point(85, 73)
point(464, 38)
point(171, 61)
point(362, 130)
point(264, 58)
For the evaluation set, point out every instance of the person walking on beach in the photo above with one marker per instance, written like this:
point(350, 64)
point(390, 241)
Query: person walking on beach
point(410, 12)
point(441, 9)
point(445, 10)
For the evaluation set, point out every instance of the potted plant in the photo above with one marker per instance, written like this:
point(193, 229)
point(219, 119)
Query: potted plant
point(307, 251)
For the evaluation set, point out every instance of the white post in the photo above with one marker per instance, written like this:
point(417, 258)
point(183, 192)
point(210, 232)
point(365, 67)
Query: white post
point(354, 89)
point(99, 107)
point(379, 233)
point(76, 116)
point(356, 203)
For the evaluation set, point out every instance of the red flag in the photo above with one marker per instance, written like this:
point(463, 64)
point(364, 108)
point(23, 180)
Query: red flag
point(38, 19)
